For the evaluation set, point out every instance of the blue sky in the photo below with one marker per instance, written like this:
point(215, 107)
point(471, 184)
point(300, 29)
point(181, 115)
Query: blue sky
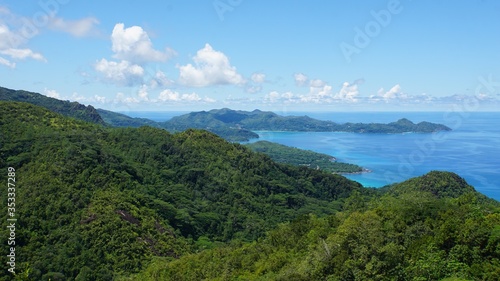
point(388, 55)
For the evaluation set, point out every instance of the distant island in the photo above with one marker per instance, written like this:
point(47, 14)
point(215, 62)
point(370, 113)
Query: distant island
point(258, 120)
point(232, 125)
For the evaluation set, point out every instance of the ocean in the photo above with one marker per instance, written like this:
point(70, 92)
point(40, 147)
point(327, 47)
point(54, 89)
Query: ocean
point(471, 149)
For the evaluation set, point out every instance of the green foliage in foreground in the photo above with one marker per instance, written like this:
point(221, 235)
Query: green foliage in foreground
point(94, 202)
point(413, 236)
point(300, 157)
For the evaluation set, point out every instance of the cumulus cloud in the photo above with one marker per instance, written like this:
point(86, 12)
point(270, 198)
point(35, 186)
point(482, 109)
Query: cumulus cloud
point(173, 96)
point(143, 92)
point(78, 28)
point(133, 44)
point(134, 50)
point(319, 93)
point(300, 79)
point(51, 93)
point(317, 83)
point(211, 68)
point(258, 78)
point(100, 99)
point(121, 98)
point(255, 86)
point(122, 73)
point(348, 92)
point(160, 79)
point(284, 98)
point(395, 93)
point(14, 33)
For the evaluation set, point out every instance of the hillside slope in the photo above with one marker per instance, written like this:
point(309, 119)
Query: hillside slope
point(66, 108)
point(413, 235)
point(268, 121)
point(94, 203)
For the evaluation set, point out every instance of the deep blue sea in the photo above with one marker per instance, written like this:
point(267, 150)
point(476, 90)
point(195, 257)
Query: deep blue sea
point(471, 149)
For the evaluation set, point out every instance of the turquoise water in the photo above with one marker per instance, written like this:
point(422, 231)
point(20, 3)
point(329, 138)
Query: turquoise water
point(471, 149)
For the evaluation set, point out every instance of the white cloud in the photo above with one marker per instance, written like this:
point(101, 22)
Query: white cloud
point(300, 79)
point(253, 89)
point(395, 93)
point(133, 44)
point(317, 83)
point(16, 32)
point(318, 94)
point(10, 41)
point(160, 79)
point(78, 28)
point(21, 54)
point(276, 97)
point(258, 78)
point(211, 68)
point(51, 93)
point(173, 96)
point(7, 63)
point(348, 92)
point(255, 86)
point(100, 99)
point(133, 47)
point(121, 98)
point(143, 92)
point(122, 73)
point(169, 95)
point(272, 96)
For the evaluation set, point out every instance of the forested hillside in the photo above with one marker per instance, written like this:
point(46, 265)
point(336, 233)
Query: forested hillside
point(300, 157)
point(101, 203)
point(415, 235)
point(268, 121)
point(66, 108)
point(95, 203)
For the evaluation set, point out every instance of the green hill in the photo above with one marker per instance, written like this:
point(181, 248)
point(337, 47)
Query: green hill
point(66, 108)
point(101, 203)
point(410, 236)
point(300, 157)
point(121, 120)
point(94, 203)
point(439, 184)
point(268, 121)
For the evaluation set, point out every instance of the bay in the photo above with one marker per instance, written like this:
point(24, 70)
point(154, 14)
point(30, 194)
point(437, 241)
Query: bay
point(471, 149)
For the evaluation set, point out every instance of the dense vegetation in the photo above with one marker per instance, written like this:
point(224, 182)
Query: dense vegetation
point(415, 235)
point(121, 120)
point(300, 157)
point(66, 108)
point(96, 202)
point(268, 121)
point(101, 203)
point(232, 125)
